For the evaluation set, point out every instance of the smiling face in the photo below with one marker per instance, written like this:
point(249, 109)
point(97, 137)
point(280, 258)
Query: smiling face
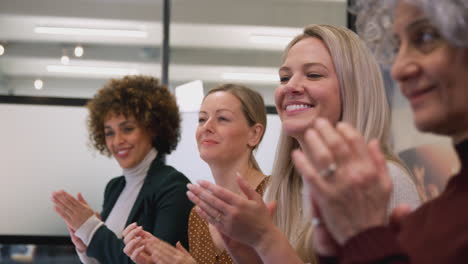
point(309, 87)
point(223, 133)
point(126, 140)
point(431, 73)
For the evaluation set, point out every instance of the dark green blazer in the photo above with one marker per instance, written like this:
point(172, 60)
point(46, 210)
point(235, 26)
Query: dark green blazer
point(162, 208)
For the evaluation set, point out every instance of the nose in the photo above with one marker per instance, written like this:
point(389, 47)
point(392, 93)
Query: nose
point(208, 126)
point(294, 86)
point(405, 66)
point(118, 139)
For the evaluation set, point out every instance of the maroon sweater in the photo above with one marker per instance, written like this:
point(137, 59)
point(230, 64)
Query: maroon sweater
point(437, 232)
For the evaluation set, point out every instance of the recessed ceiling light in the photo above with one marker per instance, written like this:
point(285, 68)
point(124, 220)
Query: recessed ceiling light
point(38, 84)
point(78, 51)
point(2, 50)
point(91, 32)
point(65, 59)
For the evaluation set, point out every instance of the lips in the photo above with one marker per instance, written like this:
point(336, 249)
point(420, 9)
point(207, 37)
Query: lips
point(416, 95)
point(122, 153)
point(209, 142)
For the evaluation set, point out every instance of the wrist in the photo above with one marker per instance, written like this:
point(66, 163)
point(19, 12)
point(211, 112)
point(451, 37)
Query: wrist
point(267, 241)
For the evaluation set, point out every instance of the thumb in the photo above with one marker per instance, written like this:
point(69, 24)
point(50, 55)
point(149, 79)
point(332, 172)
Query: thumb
point(81, 198)
point(249, 192)
point(181, 248)
point(272, 208)
point(399, 213)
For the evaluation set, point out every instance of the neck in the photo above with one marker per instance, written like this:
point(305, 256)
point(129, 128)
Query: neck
point(141, 168)
point(225, 173)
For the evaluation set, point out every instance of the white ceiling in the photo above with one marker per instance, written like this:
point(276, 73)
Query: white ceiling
point(208, 38)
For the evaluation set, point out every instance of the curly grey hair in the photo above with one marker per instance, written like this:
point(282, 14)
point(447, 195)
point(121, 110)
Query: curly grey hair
point(374, 19)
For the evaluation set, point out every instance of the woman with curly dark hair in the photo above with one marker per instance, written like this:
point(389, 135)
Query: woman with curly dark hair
point(136, 120)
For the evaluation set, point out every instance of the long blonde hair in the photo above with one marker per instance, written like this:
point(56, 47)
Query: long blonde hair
point(364, 105)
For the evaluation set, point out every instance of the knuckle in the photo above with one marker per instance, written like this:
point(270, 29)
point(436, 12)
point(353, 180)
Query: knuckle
point(323, 159)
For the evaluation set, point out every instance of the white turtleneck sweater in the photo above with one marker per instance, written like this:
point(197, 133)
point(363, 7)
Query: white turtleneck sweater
point(134, 178)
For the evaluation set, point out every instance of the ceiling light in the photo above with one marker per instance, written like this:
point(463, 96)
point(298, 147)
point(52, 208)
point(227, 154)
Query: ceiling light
point(271, 39)
point(65, 59)
point(256, 77)
point(79, 51)
point(85, 70)
point(38, 84)
point(91, 32)
point(2, 50)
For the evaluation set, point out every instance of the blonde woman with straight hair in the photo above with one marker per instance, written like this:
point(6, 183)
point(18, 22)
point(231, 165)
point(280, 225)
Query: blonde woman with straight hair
point(327, 72)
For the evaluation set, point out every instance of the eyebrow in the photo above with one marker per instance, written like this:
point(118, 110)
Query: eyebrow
point(307, 65)
point(126, 122)
point(416, 23)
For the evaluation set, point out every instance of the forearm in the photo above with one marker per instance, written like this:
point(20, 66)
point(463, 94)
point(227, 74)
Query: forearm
point(275, 248)
point(106, 247)
point(243, 254)
point(372, 246)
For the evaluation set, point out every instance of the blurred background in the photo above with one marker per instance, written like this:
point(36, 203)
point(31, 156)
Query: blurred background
point(69, 48)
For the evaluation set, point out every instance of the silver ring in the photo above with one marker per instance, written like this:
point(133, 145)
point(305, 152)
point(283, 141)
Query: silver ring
point(315, 221)
point(328, 171)
point(218, 218)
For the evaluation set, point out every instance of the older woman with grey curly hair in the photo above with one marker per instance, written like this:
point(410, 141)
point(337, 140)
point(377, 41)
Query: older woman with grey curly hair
point(428, 53)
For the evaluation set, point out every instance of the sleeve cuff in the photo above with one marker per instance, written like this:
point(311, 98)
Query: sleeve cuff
point(86, 231)
point(373, 245)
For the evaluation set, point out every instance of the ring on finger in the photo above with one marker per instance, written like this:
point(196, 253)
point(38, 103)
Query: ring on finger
point(316, 221)
point(218, 217)
point(325, 173)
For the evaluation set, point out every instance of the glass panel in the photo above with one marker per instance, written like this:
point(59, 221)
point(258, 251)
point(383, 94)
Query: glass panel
point(212, 40)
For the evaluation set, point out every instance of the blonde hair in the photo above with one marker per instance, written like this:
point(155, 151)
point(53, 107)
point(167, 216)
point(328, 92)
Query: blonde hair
point(364, 105)
point(252, 106)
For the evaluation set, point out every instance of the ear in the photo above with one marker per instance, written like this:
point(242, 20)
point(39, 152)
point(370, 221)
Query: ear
point(255, 134)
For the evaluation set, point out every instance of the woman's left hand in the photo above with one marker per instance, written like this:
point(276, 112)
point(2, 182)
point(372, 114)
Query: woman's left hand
point(347, 178)
point(72, 211)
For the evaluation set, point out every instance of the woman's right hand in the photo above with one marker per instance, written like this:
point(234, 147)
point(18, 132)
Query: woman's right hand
point(137, 243)
point(79, 244)
point(245, 219)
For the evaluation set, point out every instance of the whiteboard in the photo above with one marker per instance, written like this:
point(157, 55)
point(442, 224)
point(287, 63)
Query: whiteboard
point(46, 148)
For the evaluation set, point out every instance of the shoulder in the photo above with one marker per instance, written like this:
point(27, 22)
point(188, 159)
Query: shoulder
point(399, 174)
point(166, 177)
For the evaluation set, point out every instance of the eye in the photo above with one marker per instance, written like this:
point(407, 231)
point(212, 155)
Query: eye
point(222, 118)
point(314, 75)
point(426, 39)
point(201, 120)
point(108, 133)
point(128, 129)
point(284, 79)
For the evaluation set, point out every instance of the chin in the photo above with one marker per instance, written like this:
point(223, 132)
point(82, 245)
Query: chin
point(430, 123)
point(293, 129)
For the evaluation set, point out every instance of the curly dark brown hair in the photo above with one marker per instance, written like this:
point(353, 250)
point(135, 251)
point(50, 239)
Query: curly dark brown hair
point(151, 104)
